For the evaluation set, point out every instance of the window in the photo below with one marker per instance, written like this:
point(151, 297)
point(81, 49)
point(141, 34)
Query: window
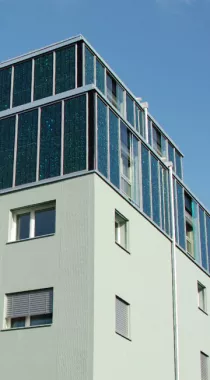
point(114, 92)
point(202, 297)
point(157, 143)
point(189, 238)
point(25, 309)
point(122, 317)
point(126, 164)
point(189, 225)
point(33, 221)
point(204, 366)
point(121, 230)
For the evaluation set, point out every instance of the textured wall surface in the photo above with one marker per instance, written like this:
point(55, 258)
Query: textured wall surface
point(63, 261)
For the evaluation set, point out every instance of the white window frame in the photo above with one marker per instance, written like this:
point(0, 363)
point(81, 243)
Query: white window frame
point(27, 210)
point(119, 228)
point(201, 289)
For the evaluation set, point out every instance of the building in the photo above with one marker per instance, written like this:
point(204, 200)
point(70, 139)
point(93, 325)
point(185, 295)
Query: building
point(105, 253)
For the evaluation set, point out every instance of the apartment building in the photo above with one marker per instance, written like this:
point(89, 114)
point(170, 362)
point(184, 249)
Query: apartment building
point(105, 253)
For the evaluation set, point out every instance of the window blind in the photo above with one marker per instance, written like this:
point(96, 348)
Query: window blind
point(204, 367)
point(30, 303)
point(122, 315)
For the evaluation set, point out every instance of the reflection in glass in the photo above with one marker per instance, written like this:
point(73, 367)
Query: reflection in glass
point(45, 222)
point(23, 226)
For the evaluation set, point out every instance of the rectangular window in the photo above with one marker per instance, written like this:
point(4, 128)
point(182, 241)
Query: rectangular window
point(33, 221)
point(126, 162)
point(129, 109)
point(189, 238)
point(189, 224)
point(157, 143)
point(204, 366)
point(22, 83)
point(121, 230)
point(114, 92)
point(202, 297)
point(122, 317)
point(25, 309)
point(5, 88)
point(43, 76)
point(65, 69)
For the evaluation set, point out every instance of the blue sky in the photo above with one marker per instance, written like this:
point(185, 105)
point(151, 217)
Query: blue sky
point(159, 48)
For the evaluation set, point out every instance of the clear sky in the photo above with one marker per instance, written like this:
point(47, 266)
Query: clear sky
point(159, 48)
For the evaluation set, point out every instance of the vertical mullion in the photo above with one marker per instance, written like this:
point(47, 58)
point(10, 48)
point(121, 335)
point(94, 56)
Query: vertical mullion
point(32, 80)
point(108, 144)
point(105, 82)
point(83, 63)
point(96, 130)
point(38, 144)
point(12, 87)
point(15, 150)
point(32, 224)
point(150, 188)
point(205, 230)
point(140, 178)
point(159, 188)
point(54, 71)
point(94, 69)
point(62, 136)
point(75, 77)
point(119, 153)
point(86, 128)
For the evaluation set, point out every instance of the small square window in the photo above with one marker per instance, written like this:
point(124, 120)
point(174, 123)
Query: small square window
point(121, 230)
point(33, 221)
point(202, 297)
point(122, 317)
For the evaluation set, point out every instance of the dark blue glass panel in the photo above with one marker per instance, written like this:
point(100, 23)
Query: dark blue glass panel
point(178, 164)
point(171, 154)
point(142, 123)
point(155, 190)
point(194, 208)
point(45, 222)
point(135, 177)
point(208, 237)
point(26, 147)
point(137, 111)
point(166, 201)
point(18, 322)
point(114, 149)
point(100, 76)
point(50, 141)
point(75, 135)
point(23, 226)
point(175, 212)
point(65, 69)
point(145, 181)
point(89, 66)
point(181, 216)
point(22, 83)
point(37, 320)
point(43, 77)
point(162, 198)
point(102, 137)
point(204, 261)
point(150, 132)
point(5, 87)
point(129, 109)
point(7, 138)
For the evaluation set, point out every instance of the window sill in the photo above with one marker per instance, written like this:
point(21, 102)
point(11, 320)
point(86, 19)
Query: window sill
point(32, 238)
point(123, 336)
point(203, 311)
point(124, 249)
point(26, 328)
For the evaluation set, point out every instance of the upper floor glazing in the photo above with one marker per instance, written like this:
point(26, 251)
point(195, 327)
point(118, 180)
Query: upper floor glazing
point(63, 111)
